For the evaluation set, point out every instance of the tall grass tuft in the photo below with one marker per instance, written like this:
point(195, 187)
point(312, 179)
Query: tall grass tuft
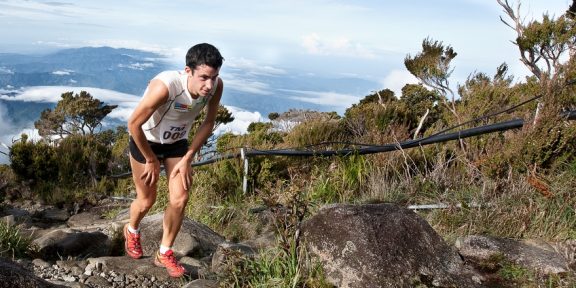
point(277, 267)
point(514, 203)
point(12, 243)
point(287, 264)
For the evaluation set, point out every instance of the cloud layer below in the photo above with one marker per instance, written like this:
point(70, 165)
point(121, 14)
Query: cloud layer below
point(126, 104)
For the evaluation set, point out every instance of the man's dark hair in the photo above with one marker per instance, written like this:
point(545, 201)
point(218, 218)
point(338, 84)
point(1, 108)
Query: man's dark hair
point(203, 54)
point(572, 10)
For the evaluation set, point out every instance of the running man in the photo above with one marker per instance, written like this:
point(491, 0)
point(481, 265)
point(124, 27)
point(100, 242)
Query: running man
point(159, 128)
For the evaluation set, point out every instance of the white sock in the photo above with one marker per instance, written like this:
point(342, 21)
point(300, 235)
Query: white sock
point(132, 230)
point(164, 249)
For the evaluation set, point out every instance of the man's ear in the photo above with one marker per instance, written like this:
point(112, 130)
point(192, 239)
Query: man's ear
point(188, 70)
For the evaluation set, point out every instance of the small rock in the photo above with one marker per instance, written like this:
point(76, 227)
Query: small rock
point(76, 270)
point(69, 278)
point(119, 278)
point(202, 283)
point(9, 220)
point(97, 281)
point(40, 263)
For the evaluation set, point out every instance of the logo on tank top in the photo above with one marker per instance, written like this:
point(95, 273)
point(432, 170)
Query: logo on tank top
point(185, 107)
point(182, 107)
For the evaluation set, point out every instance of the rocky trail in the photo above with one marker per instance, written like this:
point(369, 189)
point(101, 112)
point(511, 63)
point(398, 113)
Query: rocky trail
point(372, 245)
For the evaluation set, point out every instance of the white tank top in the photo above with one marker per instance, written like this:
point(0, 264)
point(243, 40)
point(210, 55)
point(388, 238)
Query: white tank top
point(172, 121)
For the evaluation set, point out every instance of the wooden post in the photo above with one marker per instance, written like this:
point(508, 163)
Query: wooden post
point(245, 178)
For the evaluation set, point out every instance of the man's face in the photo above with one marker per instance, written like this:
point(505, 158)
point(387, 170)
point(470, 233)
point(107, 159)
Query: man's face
point(202, 79)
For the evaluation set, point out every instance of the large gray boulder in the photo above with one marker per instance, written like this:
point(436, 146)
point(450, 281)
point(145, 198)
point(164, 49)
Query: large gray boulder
point(383, 245)
point(536, 256)
point(194, 239)
point(13, 275)
point(85, 220)
point(52, 214)
point(129, 266)
point(69, 242)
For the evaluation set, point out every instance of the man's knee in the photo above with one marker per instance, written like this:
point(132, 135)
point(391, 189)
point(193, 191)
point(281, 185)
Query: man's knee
point(179, 201)
point(146, 203)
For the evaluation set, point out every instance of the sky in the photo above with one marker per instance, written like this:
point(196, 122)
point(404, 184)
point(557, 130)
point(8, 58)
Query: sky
point(368, 39)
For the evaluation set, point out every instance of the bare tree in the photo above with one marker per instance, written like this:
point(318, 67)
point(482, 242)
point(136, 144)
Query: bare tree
point(541, 44)
point(432, 67)
point(544, 48)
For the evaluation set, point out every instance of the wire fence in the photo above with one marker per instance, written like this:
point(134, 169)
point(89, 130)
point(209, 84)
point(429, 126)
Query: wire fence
point(246, 152)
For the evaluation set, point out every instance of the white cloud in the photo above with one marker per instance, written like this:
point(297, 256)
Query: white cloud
point(5, 70)
point(396, 79)
point(9, 133)
point(242, 119)
point(253, 68)
point(54, 44)
point(137, 66)
point(52, 94)
point(123, 111)
point(33, 10)
point(5, 124)
point(324, 98)
point(172, 54)
point(126, 104)
point(240, 75)
point(340, 46)
point(246, 85)
point(63, 72)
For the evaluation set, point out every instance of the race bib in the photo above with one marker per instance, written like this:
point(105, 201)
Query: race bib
point(175, 133)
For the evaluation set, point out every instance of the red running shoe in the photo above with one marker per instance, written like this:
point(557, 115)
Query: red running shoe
point(169, 261)
point(132, 244)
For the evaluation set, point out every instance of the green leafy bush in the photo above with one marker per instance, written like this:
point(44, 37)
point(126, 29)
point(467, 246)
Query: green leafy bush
point(34, 161)
point(314, 132)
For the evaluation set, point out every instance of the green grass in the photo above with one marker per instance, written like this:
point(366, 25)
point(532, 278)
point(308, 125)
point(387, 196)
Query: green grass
point(511, 204)
point(323, 190)
point(275, 267)
point(13, 244)
point(112, 213)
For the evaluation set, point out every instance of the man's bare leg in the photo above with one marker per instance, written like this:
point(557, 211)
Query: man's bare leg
point(145, 195)
point(173, 216)
point(177, 200)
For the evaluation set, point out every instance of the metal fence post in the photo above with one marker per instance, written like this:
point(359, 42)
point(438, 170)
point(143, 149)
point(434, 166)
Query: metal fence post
point(245, 178)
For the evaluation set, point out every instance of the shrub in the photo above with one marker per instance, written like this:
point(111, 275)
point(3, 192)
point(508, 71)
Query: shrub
point(81, 160)
point(315, 132)
point(120, 159)
point(7, 179)
point(33, 161)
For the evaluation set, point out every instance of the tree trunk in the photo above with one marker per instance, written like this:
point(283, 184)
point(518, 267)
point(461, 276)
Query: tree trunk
point(421, 123)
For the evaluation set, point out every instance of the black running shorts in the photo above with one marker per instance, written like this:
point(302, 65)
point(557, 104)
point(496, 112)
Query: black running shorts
point(162, 151)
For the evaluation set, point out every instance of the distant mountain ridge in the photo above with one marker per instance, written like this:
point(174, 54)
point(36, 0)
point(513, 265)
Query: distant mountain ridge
point(118, 69)
point(129, 70)
point(123, 70)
